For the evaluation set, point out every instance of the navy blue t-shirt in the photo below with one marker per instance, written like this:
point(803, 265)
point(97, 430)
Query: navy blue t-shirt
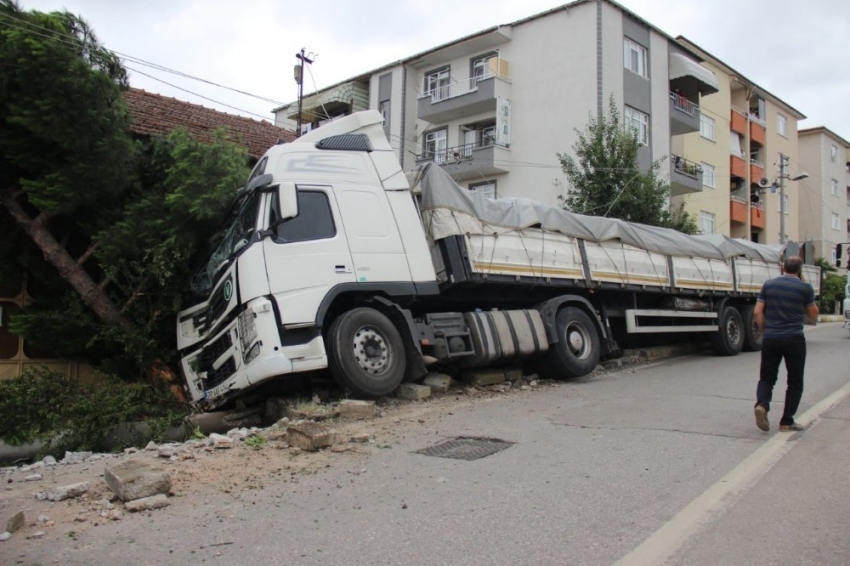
point(785, 300)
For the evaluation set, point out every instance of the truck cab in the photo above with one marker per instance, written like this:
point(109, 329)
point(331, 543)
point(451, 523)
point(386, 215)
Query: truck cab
point(321, 222)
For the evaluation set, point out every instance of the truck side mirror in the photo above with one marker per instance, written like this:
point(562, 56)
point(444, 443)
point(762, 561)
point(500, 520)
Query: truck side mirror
point(288, 199)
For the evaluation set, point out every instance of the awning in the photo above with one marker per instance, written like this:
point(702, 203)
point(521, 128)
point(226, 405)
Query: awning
point(689, 70)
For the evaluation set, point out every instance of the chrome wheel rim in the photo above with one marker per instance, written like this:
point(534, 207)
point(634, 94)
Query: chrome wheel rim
point(371, 350)
point(578, 340)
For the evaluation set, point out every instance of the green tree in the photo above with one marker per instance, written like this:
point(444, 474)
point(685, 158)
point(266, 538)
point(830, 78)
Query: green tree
point(109, 224)
point(605, 178)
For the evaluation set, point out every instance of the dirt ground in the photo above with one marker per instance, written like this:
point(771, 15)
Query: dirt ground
point(198, 469)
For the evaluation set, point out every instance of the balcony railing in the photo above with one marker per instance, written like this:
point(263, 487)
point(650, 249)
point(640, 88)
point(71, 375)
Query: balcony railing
point(684, 105)
point(682, 165)
point(456, 89)
point(454, 154)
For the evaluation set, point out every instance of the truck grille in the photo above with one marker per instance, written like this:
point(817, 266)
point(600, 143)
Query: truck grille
point(220, 375)
point(218, 304)
point(214, 351)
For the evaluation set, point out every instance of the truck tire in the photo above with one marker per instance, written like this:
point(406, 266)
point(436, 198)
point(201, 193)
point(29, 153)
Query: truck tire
point(752, 335)
point(729, 340)
point(366, 353)
point(577, 351)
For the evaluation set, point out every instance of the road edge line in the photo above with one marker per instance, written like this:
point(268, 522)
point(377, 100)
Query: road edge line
point(664, 542)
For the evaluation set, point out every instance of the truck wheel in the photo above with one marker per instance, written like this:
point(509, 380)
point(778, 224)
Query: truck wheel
point(577, 350)
point(729, 340)
point(366, 352)
point(752, 334)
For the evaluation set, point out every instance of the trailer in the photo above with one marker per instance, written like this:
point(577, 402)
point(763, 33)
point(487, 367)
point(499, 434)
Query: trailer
point(334, 259)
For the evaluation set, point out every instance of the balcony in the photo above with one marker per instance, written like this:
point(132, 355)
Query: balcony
point(738, 213)
point(737, 166)
point(756, 170)
point(757, 132)
point(757, 216)
point(466, 98)
point(737, 210)
point(684, 115)
point(738, 123)
point(478, 160)
point(685, 176)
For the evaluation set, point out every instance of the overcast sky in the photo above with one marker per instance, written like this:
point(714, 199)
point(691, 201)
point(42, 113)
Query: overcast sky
point(796, 49)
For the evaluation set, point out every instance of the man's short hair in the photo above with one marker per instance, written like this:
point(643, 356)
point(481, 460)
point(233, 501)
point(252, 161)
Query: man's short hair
point(793, 265)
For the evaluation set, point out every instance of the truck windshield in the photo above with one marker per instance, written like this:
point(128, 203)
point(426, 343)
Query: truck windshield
point(237, 235)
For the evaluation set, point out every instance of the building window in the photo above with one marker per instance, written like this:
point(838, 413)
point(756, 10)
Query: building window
point(707, 222)
point(634, 56)
point(834, 258)
point(708, 175)
point(706, 127)
point(836, 221)
point(384, 109)
point(486, 188)
point(481, 68)
point(639, 122)
point(782, 125)
point(435, 145)
point(437, 83)
point(835, 187)
point(833, 153)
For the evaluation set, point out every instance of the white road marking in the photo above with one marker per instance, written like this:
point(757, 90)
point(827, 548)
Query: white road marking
point(713, 502)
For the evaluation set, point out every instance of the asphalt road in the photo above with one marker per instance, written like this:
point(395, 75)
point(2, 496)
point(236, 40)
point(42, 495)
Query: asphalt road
point(662, 464)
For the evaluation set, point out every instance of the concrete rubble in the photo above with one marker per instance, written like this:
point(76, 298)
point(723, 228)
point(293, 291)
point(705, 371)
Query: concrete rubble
point(310, 436)
point(147, 503)
point(352, 409)
point(15, 522)
point(137, 478)
point(412, 391)
point(68, 491)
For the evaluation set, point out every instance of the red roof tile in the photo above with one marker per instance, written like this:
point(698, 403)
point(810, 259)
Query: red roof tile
point(154, 114)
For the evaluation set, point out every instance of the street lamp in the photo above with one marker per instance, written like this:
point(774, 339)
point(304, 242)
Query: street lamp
point(783, 163)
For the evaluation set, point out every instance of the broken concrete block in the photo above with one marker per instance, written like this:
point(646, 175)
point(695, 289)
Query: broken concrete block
point(310, 436)
point(147, 503)
point(220, 441)
point(438, 382)
point(15, 522)
point(137, 478)
point(4, 536)
point(482, 377)
point(360, 438)
point(412, 392)
point(513, 374)
point(76, 457)
point(351, 409)
point(68, 491)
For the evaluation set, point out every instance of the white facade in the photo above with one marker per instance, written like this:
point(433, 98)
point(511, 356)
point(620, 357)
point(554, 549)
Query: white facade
point(825, 195)
point(496, 108)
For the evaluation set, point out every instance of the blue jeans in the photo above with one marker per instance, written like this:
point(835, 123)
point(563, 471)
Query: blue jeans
point(793, 350)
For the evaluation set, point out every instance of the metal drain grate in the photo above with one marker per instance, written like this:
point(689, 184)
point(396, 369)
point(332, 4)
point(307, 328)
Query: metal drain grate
point(465, 448)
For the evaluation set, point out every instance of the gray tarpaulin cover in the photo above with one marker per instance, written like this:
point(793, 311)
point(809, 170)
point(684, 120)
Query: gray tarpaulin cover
point(450, 210)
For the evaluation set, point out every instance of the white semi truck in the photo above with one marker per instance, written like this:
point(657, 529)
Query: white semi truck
point(333, 259)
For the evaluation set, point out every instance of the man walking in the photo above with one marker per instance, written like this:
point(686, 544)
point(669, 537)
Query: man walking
point(779, 313)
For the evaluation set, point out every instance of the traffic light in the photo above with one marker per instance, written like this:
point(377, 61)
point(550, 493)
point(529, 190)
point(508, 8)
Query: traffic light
point(838, 255)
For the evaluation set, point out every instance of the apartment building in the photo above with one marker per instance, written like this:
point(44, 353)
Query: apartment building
point(496, 107)
point(746, 133)
point(824, 213)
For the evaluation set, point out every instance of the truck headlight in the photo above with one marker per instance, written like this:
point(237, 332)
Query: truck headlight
point(247, 329)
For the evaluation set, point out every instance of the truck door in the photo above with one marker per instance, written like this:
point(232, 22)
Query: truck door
point(307, 255)
point(373, 236)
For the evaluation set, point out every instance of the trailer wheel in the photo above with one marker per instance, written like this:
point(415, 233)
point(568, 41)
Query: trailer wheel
point(729, 340)
point(752, 335)
point(577, 350)
point(366, 352)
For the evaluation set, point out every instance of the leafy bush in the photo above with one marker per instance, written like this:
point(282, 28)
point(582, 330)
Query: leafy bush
point(833, 290)
point(73, 415)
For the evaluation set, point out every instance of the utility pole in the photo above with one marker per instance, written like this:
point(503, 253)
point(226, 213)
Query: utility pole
point(299, 78)
point(782, 175)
